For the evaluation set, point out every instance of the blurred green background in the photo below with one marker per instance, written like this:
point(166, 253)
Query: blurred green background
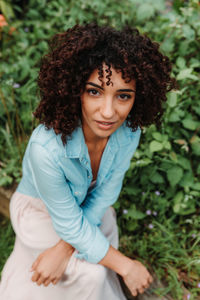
point(158, 209)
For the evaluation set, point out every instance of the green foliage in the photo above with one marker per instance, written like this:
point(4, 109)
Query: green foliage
point(158, 207)
point(6, 9)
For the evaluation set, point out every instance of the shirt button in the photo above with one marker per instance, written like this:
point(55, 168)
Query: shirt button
point(88, 176)
point(76, 193)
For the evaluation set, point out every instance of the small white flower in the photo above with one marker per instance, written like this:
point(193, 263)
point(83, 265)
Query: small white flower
point(155, 213)
point(198, 285)
point(151, 226)
point(188, 296)
point(148, 212)
point(125, 211)
point(157, 193)
point(16, 85)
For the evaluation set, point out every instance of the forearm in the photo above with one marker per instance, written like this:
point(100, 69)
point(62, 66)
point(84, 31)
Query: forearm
point(65, 247)
point(135, 275)
point(116, 261)
point(113, 260)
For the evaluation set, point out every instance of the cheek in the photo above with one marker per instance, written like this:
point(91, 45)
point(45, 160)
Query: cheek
point(84, 104)
point(87, 108)
point(124, 111)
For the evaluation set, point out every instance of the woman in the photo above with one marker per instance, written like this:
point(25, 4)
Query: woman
point(98, 87)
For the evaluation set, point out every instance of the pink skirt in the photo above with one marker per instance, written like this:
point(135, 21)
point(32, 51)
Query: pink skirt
point(34, 234)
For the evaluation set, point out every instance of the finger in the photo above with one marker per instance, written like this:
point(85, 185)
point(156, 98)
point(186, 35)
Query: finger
point(47, 282)
point(54, 281)
point(146, 285)
point(150, 279)
point(40, 280)
point(141, 290)
point(35, 276)
point(134, 292)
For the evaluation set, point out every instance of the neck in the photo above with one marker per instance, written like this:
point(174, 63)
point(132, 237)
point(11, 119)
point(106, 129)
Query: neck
point(96, 143)
point(92, 140)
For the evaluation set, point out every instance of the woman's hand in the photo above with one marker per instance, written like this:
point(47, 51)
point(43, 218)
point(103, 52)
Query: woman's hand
point(51, 264)
point(133, 272)
point(137, 278)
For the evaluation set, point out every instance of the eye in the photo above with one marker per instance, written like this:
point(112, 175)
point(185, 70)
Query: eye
point(124, 96)
point(92, 92)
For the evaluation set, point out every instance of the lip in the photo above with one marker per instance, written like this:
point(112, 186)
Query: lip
point(105, 125)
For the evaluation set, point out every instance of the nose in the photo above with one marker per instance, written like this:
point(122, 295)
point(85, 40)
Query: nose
point(107, 108)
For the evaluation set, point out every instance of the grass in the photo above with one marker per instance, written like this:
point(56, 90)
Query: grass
point(170, 251)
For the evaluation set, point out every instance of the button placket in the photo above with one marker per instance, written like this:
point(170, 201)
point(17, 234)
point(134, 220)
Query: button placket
point(86, 165)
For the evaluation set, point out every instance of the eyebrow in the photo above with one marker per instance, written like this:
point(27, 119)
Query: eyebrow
point(100, 87)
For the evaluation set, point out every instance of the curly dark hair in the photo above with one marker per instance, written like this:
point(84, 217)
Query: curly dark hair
point(76, 53)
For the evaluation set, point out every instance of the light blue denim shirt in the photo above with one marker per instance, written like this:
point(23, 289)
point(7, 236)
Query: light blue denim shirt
point(61, 176)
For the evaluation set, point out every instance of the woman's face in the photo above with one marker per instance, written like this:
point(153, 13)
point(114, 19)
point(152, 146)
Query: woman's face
point(105, 108)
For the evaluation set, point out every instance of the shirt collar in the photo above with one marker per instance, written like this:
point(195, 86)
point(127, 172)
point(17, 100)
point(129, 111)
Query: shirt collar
point(76, 146)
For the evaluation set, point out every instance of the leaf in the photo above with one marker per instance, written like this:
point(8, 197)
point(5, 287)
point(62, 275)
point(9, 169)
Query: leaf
point(167, 145)
point(184, 162)
point(196, 148)
point(197, 110)
point(145, 11)
point(135, 214)
point(177, 201)
point(156, 178)
point(187, 180)
point(155, 146)
point(183, 47)
point(196, 186)
point(189, 124)
point(188, 32)
point(168, 45)
point(6, 9)
point(173, 156)
point(132, 191)
point(183, 210)
point(143, 162)
point(194, 77)
point(157, 136)
point(172, 99)
point(183, 205)
point(184, 74)
point(174, 175)
point(131, 225)
point(180, 62)
point(6, 180)
point(174, 117)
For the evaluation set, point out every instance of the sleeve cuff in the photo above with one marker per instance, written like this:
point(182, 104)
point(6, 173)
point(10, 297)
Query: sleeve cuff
point(97, 251)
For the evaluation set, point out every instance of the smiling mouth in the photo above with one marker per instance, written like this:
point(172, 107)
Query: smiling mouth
point(105, 123)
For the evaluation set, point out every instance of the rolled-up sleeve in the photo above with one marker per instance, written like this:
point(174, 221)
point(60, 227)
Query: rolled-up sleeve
point(68, 219)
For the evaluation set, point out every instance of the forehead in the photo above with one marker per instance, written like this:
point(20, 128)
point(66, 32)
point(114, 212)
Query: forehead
point(115, 78)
